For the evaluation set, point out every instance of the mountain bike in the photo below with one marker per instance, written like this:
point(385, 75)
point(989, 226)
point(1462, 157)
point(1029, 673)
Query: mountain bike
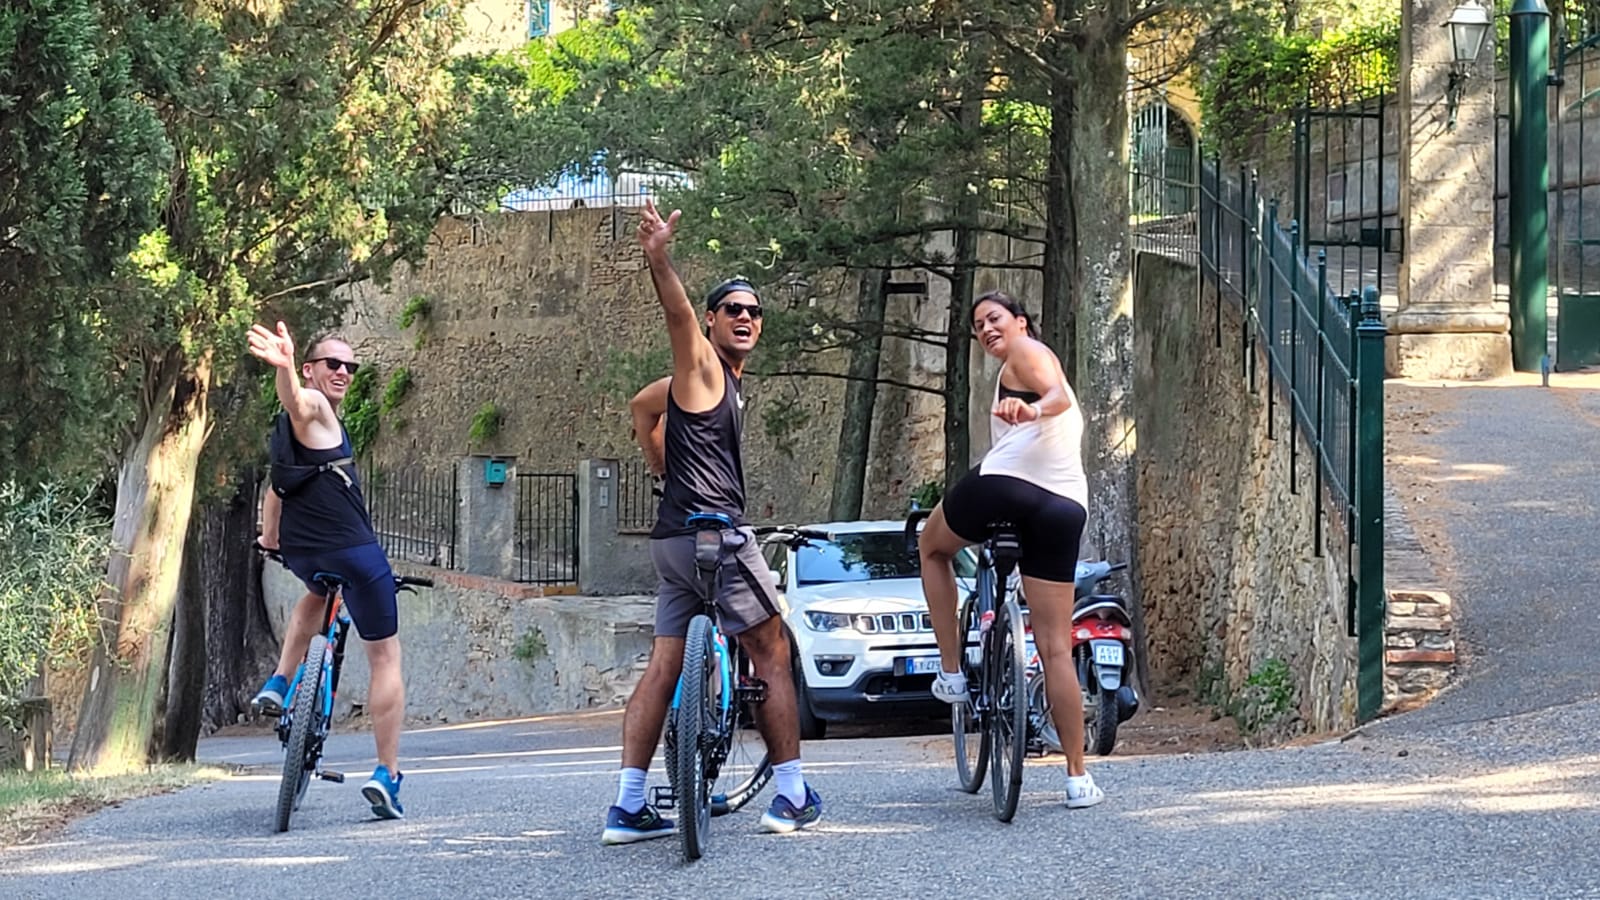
point(712, 770)
point(304, 725)
point(992, 729)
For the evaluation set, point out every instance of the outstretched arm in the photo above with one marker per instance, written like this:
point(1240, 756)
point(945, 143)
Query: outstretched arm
point(1040, 372)
point(697, 375)
point(308, 410)
point(649, 409)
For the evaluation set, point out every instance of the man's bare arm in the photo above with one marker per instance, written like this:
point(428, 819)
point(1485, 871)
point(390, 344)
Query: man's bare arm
point(649, 411)
point(694, 363)
point(310, 412)
point(271, 512)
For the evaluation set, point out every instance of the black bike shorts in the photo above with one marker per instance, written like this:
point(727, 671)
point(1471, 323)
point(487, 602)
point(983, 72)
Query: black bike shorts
point(369, 592)
point(1048, 525)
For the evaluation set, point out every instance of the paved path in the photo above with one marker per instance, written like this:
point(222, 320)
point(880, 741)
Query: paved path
point(1493, 791)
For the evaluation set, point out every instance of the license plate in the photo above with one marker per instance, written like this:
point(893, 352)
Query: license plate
point(920, 665)
point(1108, 654)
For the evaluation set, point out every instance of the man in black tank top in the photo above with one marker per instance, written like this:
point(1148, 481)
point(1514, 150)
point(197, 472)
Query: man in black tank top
point(322, 526)
point(698, 450)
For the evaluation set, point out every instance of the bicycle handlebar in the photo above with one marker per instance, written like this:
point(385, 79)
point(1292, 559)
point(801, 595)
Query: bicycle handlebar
point(401, 582)
point(793, 532)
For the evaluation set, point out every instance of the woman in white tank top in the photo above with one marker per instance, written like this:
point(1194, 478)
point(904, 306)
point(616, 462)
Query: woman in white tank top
point(1033, 478)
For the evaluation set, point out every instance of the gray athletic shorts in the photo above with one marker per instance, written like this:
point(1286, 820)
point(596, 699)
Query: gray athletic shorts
point(746, 595)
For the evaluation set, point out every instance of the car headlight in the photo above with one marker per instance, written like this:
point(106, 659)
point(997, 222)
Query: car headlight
point(827, 621)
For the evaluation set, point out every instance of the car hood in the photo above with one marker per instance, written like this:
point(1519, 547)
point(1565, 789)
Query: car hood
point(884, 595)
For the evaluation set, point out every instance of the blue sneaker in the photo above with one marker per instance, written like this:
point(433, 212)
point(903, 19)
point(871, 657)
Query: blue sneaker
point(782, 817)
point(627, 828)
point(269, 700)
point(383, 793)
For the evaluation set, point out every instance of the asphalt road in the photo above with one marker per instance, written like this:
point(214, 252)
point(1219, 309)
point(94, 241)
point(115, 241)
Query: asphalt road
point(514, 809)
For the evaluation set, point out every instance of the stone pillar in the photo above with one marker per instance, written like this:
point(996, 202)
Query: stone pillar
point(609, 563)
point(597, 523)
point(486, 527)
point(1447, 324)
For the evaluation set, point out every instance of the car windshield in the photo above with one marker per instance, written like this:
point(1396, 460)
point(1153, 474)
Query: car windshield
point(855, 557)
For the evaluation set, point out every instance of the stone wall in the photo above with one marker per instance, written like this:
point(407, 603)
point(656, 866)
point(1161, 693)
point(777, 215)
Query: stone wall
point(477, 648)
point(532, 311)
point(1230, 579)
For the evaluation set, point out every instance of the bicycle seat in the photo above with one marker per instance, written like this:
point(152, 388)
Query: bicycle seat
point(1004, 543)
point(330, 580)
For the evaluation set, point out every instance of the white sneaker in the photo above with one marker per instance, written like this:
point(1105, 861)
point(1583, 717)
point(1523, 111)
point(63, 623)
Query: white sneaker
point(1082, 792)
point(950, 688)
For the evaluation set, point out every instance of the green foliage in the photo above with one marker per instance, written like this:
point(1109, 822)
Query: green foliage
point(531, 647)
point(928, 494)
point(782, 417)
point(485, 424)
point(395, 390)
point(1264, 701)
point(1251, 86)
point(53, 553)
point(415, 310)
point(361, 410)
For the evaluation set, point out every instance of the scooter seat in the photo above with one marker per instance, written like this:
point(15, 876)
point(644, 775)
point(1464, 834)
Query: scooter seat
point(1102, 606)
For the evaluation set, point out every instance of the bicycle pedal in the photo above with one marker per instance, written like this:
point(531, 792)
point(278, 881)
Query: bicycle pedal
point(663, 797)
point(329, 775)
point(752, 690)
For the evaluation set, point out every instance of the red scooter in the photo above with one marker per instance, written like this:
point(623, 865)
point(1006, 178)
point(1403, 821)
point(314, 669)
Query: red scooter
point(1102, 651)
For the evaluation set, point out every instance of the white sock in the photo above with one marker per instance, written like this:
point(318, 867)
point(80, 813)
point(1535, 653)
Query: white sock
point(630, 790)
point(957, 678)
point(790, 782)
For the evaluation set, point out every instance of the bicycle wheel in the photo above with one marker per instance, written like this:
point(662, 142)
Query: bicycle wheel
point(694, 722)
point(743, 767)
point(1008, 718)
point(297, 762)
point(966, 719)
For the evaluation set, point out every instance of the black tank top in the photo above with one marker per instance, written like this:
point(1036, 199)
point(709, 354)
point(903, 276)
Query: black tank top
point(705, 461)
point(325, 514)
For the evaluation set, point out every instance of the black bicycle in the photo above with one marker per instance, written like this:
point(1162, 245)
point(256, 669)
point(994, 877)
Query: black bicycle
point(304, 725)
point(709, 755)
point(992, 726)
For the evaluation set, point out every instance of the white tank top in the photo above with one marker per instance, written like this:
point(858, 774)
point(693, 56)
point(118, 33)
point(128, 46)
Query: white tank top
point(1047, 452)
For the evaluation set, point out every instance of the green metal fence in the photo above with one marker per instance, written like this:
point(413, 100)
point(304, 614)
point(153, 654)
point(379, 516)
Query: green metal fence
point(1323, 357)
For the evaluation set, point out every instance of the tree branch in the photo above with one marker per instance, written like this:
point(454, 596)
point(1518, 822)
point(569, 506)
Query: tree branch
point(892, 382)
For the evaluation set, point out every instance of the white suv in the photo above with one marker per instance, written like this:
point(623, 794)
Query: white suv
point(862, 637)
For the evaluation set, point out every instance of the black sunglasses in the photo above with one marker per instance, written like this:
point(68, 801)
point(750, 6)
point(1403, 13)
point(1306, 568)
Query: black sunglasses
point(734, 308)
point(335, 364)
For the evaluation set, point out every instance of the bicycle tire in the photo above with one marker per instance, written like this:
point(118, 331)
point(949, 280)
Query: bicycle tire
point(296, 766)
point(690, 786)
point(745, 785)
point(1008, 711)
point(966, 723)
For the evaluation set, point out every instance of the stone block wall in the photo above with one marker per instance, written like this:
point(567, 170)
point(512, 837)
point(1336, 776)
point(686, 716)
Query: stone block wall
point(531, 311)
point(1226, 541)
point(478, 648)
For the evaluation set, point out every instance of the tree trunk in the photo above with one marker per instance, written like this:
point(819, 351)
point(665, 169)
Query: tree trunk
point(860, 397)
point(958, 333)
point(1104, 342)
point(1059, 312)
point(155, 496)
point(186, 666)
point(243, 647)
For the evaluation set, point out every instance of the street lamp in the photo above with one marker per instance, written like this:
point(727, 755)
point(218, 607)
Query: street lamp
point(1468, 25)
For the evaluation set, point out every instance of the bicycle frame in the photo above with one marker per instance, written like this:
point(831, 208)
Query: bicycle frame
point(336, 630)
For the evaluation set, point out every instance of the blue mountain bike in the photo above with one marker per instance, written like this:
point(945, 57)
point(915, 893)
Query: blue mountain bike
point(711, 754)
point(304, 725)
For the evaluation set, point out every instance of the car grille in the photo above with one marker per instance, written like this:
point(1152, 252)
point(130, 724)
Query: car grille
point(894, 623)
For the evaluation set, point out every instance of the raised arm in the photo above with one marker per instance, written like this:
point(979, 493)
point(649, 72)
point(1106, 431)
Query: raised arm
point(1040, 372)
point(309, 411)
point(649, 410)
point(697, 375)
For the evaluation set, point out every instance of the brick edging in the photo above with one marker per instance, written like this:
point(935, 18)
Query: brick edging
point(1419, 645)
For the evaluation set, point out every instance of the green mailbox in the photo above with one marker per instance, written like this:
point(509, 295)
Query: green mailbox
point(494, 472)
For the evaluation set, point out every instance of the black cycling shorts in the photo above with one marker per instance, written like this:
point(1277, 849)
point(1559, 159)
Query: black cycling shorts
point(1048, 525)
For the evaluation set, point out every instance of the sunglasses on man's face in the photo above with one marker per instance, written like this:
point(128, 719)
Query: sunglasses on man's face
point(734, 309)
point(335, 364)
